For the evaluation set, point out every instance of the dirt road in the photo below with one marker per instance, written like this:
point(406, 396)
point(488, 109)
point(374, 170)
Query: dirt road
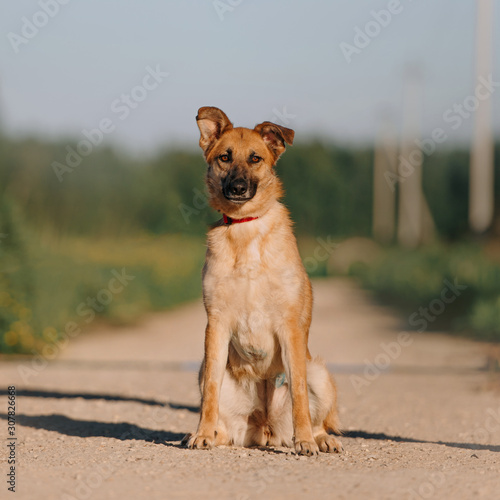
point(106, 418)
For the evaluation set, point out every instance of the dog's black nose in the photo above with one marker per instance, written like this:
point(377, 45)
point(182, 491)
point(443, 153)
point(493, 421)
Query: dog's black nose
point(238, 187)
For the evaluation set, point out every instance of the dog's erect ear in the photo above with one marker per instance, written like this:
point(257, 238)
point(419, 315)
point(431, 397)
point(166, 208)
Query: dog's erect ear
point(212, 123)
point(275, 136)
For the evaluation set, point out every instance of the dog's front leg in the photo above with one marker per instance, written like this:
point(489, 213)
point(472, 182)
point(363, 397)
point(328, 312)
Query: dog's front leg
point(294, 348)
point(214, 366)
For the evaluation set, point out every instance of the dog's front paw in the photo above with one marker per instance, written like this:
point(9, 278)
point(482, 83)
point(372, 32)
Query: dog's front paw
point(329, 444)
point(199, 441)
point(308, 448)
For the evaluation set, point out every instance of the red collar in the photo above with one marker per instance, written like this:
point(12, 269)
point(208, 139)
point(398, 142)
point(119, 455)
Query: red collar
point(229, 220)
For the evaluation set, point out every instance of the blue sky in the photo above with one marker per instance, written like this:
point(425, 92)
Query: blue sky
point(262, 56)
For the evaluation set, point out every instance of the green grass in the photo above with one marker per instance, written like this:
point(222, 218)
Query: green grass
point(47, 285)
point(411, 279)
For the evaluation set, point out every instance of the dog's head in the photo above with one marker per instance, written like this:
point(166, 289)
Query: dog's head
point(240, 178)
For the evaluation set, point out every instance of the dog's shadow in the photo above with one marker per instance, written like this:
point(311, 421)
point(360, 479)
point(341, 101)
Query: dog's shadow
point(125, 431)
point(381, 436)
point(38, 393)
point(91, 428)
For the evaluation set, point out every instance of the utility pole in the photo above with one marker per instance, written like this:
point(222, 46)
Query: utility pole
point(384, 193)
point(481, 189)
point(410, 163)
point(415, 221)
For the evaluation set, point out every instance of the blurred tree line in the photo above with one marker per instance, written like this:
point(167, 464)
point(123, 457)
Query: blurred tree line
point(328, 190)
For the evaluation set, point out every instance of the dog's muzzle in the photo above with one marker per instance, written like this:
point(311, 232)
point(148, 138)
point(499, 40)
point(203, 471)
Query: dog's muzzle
point(239, 189)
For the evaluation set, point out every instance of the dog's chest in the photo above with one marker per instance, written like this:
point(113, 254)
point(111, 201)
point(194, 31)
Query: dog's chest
point(248, 288)
point(250, 262)
point(252, 337)
point(245, 279)
point(252, 310)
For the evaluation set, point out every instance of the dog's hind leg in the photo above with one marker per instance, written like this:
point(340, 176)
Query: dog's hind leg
point(238, 405)
point(323, 406)
point(332, 420)
point(279, 413)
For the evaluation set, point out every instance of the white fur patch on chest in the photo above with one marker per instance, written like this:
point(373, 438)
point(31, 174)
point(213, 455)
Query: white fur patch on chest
point(253, 336)
point(249, 262)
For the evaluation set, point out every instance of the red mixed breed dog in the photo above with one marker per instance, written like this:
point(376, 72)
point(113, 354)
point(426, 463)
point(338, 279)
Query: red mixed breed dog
point(259, 384)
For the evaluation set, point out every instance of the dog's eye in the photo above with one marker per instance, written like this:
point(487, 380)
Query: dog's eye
point(255, 159)
point(224, 158)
